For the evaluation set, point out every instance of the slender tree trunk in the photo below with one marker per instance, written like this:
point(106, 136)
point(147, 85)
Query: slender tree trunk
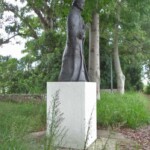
point(118, 70)
point(94, 56)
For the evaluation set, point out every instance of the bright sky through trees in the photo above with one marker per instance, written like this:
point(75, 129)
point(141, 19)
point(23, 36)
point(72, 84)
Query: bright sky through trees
point(16, 45)
point(12, 49)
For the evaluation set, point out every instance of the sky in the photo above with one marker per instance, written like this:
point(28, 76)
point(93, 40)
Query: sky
point(14, 47)
point(16, 44)
point(13, 50)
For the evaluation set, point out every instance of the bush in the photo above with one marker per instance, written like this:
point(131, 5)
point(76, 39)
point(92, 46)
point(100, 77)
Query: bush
point(147, 89)
point(128, 110)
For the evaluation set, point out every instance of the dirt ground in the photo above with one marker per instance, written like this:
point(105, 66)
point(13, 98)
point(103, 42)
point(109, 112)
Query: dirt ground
point(140, 135)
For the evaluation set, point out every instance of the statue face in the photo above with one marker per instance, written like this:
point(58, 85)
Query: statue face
point(79, 3)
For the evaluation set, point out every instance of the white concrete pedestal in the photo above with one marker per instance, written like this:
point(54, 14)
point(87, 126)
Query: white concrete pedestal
point(78, 105)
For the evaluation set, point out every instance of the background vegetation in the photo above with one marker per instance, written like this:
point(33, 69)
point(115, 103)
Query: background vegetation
point(129, 110)
point(43, 25)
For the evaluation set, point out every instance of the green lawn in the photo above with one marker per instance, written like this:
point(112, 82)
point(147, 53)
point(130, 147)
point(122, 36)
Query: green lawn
point(17, 120)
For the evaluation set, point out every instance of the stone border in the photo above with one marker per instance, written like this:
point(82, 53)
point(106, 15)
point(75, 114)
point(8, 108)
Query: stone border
point(22, 97)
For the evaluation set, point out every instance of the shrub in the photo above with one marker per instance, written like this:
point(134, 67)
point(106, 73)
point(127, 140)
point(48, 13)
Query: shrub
point(128, 110)
point(147, 89)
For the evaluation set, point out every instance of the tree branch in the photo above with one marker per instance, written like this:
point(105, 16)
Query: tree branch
point(7, 40)
point(14, 10)
point(45, 22)
point(42, 19)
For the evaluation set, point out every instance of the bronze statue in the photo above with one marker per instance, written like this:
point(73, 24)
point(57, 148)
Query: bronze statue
point(73, 65)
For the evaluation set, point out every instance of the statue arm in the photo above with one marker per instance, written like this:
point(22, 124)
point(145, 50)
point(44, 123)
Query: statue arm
point(81, 33)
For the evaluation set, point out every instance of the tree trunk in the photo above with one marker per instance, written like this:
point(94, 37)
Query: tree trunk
point(118, 70)
point(94, 56)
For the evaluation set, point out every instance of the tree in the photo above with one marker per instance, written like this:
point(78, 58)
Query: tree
point(119, 73)
point(94, 56)
point(9, 20)
point(94, 47)
point(41, 23)
point(131, 37)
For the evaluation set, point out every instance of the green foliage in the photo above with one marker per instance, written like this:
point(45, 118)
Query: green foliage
point(8, 67)
point(105, 61)
point(46, 34)
point(133, 72)
point(132, 41)
point(46, 52)
point(40, 65)
point(129, 110)
point(45, 43)
point(18, 120)
point(147, 89)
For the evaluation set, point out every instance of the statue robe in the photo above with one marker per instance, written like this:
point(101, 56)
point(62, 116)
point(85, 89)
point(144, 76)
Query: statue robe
point(73, 67)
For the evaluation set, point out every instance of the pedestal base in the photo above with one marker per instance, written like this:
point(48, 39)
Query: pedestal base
point(78, 105)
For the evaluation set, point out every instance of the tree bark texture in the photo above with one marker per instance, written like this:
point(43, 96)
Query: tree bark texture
point(94, 52)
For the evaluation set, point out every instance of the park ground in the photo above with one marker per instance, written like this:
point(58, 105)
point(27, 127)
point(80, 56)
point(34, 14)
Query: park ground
point(23, 125)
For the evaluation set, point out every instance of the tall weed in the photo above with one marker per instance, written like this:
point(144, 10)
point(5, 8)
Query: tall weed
point(17, 120)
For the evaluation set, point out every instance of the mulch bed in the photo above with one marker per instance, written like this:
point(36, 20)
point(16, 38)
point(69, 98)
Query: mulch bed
point(141, 135)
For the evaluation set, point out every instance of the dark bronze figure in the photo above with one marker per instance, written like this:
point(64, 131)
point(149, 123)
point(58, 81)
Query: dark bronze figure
point(73, 66)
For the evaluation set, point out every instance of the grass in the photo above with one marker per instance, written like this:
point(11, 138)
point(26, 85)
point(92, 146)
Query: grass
point(128, 110)
point(17, 120)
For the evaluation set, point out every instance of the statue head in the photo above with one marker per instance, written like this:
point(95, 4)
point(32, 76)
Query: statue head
point(79, 4)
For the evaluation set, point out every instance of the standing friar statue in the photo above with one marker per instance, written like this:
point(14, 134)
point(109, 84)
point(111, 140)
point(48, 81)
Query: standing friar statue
point(73, 66)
